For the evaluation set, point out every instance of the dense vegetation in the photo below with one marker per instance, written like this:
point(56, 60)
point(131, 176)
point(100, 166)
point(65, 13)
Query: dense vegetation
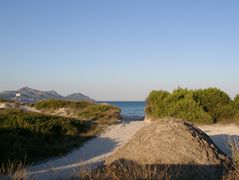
point(99, 113)
point(32, 136)
point(28, 136)
point(199, 106)
point(56, 104)
point(5, 101)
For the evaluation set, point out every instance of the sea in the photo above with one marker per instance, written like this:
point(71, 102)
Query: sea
point(129, 108)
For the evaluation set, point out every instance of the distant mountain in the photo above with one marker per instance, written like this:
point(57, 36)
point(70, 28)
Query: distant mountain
point(31, 95)
point(78, 97)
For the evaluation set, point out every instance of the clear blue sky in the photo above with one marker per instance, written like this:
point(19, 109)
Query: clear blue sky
point(119, 50)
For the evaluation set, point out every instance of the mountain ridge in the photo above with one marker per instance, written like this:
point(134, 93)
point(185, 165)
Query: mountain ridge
point(32, 95)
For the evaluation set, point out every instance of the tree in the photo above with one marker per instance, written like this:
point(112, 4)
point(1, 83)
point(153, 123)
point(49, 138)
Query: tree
point(215, 102)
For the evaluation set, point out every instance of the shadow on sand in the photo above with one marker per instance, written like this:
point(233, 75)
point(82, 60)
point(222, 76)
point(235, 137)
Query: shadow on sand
point(223, 142)
point(128, 119)
point(73, 161)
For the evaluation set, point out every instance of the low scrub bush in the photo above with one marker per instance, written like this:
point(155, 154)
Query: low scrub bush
point(236, 101)
point(35, 136)
point(99, 112)
point(5, 101)
point(216, 103)
point(199, 106)
point(27, 136)
point(82, 110)
point(56, 104)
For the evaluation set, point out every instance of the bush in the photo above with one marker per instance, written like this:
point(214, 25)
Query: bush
point(82, 110)
point(236, 102)
point(37, 136)
point(156, 103)
point(198, 106)
point(216, 103)
point(32, 136)
point(56, 104)
point(188, 109)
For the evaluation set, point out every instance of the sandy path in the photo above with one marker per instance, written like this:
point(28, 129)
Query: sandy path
point(90, 155)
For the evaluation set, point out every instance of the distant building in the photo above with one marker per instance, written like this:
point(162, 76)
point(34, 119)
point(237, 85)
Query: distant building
point(18, 94)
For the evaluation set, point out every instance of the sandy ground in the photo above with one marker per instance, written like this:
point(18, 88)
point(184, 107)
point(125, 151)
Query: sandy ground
point(93, 153)
point(222, 135)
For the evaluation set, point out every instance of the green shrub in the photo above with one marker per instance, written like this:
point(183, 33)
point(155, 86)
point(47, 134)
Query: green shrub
point(56, 104)
point(156, 103)
point(100, 113)
point(5, 101)
point(215, 102)
point(83, 110)
point(38, 123)
point(236, 102)
point(32, 136)
point(198, 106)
point(188, 109)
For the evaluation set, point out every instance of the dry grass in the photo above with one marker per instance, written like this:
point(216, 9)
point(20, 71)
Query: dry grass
point(118, 170)
point(234, 173)
point(13, 171)
point(130, 170)
point(235, 151)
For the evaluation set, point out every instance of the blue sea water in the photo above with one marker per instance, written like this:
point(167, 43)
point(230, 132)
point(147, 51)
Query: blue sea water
point(129, 108)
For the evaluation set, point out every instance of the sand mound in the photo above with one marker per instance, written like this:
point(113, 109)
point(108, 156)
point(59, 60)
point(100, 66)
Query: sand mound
point(7, 105)
point(173, 142)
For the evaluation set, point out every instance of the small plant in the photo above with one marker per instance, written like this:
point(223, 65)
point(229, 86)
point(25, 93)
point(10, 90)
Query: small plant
point(13, 170)
point(234, 145)
point(234, 170)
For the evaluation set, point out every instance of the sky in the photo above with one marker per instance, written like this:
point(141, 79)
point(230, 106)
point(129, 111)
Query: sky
point(119, 49)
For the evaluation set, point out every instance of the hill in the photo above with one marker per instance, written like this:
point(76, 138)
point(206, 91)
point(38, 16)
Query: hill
point(167, 148)
point(31, 95)
point(78, 97)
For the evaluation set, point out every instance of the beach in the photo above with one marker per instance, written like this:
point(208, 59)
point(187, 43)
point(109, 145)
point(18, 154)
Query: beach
point(93, 153)
point(90, 155)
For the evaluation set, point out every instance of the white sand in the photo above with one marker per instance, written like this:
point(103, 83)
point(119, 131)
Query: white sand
point(222, 134)
point(90, 155)
point(93, 153)
point(3, 105)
